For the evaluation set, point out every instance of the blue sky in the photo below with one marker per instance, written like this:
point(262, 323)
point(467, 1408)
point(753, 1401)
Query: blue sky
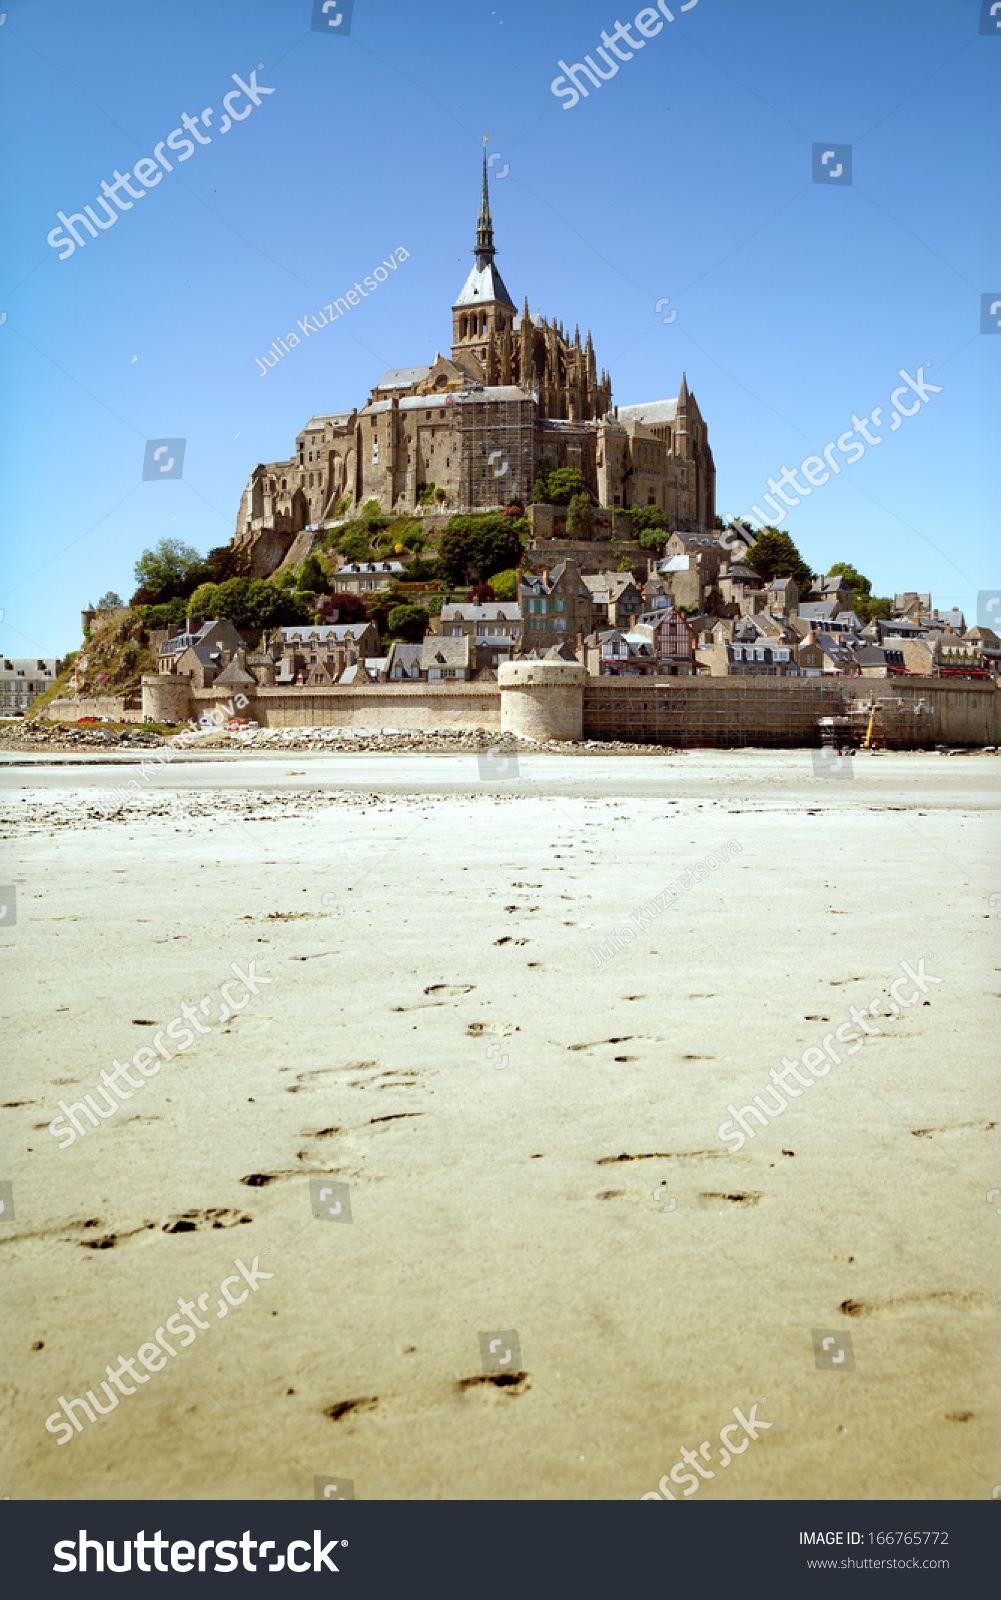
point(688, 176)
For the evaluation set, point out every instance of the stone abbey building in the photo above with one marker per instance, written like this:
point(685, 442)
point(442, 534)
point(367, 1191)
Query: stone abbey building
point(516, 396)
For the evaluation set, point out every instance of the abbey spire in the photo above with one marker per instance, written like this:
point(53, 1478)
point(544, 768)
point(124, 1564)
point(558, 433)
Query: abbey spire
point(484, 222)
point(484, 307)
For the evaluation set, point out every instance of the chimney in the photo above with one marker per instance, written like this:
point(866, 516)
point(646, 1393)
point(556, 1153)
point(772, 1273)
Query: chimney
point(632, 624)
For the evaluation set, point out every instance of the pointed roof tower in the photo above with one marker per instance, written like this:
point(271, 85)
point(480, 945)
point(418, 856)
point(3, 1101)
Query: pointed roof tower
point(683, 391)
point(484, 283)
point(484, 222)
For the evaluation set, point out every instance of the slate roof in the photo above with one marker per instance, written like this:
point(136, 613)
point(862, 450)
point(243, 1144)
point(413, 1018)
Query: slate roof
point(437, 651)
point(818, 610)
point(317, 424)
point(402, 377)
point(652, 411)
point(325, 633)
point(490, 611)
point(369, 566)
point(484, 283)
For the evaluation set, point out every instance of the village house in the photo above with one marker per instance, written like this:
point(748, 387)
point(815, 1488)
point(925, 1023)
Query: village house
point(831, 586)
point(494, 620)
point(316, 641)
point(782, 596)
point(820, 654)
point(878, 661)
point(23, 679)
point(555, 606)
point(212, 645)
point(691, 568)
point(367, 577)
point(724, 659)
point(614, 654)
point(445, 659)
point(672, 640)
point(614, 599)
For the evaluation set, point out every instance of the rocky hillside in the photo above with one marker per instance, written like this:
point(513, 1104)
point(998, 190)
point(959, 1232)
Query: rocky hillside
point(110, 661)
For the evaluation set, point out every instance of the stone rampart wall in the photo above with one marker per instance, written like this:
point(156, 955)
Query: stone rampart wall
point(117, 706)
point(461, 705)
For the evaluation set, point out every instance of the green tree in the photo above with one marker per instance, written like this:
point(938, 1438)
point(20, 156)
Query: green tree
point(408, 622)
point(427, 495)
point(453, 551)
point(420, 571)
point(203, 601)
point(856, 582)
point(312, 576)
point(646, 517)
point(773, 555)
point(495, 544)
point(168, 568)
point(108, 601)
point(232, 598)
point(505, 584)
point(357, 547)
point(255, 603)
point(170, 614)
point(580, 515)
point(867, 606)
point(564, 484)
point(224, 562)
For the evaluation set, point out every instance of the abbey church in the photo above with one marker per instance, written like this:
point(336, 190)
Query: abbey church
point(516, 396)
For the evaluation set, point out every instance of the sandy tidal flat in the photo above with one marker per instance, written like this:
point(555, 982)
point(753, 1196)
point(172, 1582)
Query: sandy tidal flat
point(528, 1139)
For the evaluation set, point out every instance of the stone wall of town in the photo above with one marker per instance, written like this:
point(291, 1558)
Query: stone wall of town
point(725, 712)
point(118, 706)
point(461, 705)
point(550, 700)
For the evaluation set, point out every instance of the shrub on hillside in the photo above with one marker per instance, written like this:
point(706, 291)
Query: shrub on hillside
point(408, 622)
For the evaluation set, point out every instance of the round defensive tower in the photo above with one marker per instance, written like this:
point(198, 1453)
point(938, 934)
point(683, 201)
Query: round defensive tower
point(167, 696)
point(542, 699)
